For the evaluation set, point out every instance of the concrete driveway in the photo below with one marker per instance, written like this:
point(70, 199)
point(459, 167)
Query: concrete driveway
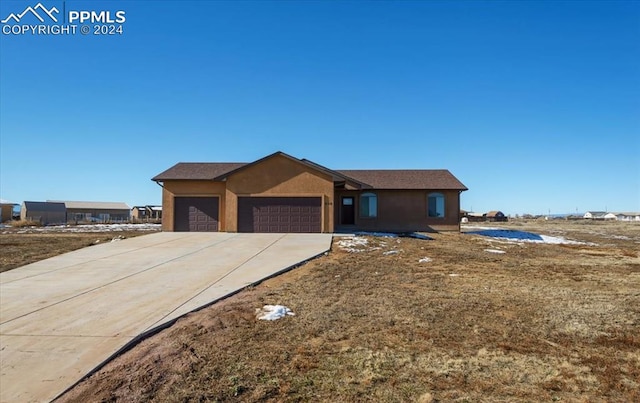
point(62, 317)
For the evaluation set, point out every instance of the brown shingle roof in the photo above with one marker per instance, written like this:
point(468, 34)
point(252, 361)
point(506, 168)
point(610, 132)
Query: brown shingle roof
point(198, 170)
point(494, 213)
point(435, 179)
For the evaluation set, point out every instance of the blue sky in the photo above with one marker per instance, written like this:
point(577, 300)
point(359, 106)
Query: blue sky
point(535, 106)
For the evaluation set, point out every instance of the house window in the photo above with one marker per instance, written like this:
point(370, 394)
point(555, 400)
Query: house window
point(436, 205)
point(368, 205)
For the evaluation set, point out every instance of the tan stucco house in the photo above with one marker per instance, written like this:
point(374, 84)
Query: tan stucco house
point(281, 193)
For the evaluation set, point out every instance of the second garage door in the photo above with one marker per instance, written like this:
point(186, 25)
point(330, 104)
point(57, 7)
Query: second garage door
point(196, 214)
point(279, 214)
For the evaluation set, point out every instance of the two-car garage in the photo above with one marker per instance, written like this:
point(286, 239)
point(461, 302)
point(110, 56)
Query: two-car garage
point(255, 214)
point(279, 214)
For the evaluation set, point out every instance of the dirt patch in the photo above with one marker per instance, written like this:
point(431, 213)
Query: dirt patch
point(536, 323)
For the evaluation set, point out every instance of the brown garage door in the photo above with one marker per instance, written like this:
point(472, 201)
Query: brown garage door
point(196, 214)
point(279, 214)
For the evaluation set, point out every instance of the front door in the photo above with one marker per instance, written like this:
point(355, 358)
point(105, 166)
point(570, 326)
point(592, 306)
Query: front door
point(347, 211)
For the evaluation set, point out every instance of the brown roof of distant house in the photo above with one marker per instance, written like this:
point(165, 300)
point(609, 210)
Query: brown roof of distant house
point(198, 170)
point(494, 213)
point(440, 179)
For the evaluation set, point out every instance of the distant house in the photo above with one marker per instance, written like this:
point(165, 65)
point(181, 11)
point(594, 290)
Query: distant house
point(6, 210)
point(594, 215)
point(78, 211)
point(627, 216)
point(139, 213)
point(470, 216)
point(495, 216)
point(44, 212)
point(149, 212)
point(610, 216)
point(156, 212)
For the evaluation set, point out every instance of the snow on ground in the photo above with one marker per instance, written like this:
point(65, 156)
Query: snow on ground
point(358, 242)
point(273, 312)
point(425, 260)
point(509, 235)
point(380, 234)
point(353, 244)
point(92, 228)
point(494, 251)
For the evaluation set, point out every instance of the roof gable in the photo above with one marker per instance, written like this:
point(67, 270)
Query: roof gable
point(336, 176)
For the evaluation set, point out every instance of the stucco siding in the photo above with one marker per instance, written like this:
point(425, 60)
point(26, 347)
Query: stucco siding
point(173, 189)
point(278, 177)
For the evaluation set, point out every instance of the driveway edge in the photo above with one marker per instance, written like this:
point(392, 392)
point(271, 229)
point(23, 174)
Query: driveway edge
point(153, 331)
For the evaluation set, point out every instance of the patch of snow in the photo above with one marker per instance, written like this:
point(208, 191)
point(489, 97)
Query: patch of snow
point(509, 235)
point(353, 244)
point(273, 312)
point(391, 252)
point(94, 228)
point(454, 275)
point(425, 260)
point(380, 234)
point(494, 251)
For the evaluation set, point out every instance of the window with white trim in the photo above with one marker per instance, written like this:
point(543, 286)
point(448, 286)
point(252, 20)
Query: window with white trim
point(368, 205)
point(435, 203)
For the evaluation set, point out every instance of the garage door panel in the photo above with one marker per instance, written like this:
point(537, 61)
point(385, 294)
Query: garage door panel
point(279, 214)
point(196, 214)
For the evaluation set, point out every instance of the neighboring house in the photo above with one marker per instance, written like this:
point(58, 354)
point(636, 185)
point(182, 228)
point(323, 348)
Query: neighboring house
point(6, 210)
point(594, 215)
point(495, 216)
point(280, 193)
point(628, 216)
point(155, 212)
point(139, 213)
point(148, 212)
point(610, 216)
point(96, 211)
point(470, 216)
point(44, 212)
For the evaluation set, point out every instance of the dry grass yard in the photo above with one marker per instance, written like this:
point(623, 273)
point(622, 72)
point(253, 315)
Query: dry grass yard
point(539, 322)
point(21, 246)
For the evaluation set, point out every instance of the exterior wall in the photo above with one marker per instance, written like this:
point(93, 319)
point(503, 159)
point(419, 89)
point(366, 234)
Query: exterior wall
point(138, 213)
point(278, 177)
point(6, 212)
point(402, 211)
point(43, 217)
point(172, 189)
point(76, 214)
